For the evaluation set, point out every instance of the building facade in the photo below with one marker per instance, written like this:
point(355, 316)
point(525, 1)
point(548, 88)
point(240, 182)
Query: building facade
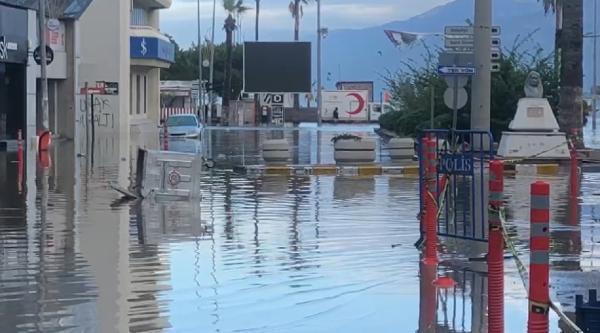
point(122, 52)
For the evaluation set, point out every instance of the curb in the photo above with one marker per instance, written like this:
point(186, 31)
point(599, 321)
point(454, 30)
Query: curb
point(328, 170)
point(552, 169)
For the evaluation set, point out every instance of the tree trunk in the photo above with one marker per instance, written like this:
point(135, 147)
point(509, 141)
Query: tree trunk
point(229, 28)
point(570, 115)
point(296, 38)
point(257, 17)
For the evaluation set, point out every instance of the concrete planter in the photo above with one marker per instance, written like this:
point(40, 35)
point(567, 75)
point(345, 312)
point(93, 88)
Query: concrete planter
point(401, 148)
point(276, 151)
point(354, 151)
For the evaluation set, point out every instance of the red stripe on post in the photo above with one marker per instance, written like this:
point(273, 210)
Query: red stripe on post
point(496, 251)
point(539, 268)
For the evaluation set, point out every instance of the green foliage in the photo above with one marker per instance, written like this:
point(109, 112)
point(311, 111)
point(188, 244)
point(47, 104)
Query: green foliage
point(185, 67)
point(235, 7)
point(345, 136)
point(411, 92)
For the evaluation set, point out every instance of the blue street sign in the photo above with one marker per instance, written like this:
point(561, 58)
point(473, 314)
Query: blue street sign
point(456, 70)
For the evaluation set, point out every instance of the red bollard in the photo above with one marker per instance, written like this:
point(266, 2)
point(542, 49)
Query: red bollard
point(495, 250)
point(539, 270)
point(430, 203)
point(574, 173)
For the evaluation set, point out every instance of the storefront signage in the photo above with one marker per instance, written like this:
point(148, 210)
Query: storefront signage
point(13, 35)
point(152, 48)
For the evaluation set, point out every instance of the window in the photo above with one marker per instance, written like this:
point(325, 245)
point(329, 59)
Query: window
point(145, 93)
point(138, 94)
point(139, 17)
point(131, 92)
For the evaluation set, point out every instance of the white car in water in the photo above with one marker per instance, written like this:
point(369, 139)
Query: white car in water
point(183, 125)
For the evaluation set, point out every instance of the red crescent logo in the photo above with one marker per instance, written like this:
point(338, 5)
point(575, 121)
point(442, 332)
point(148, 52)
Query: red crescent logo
point(361, 103)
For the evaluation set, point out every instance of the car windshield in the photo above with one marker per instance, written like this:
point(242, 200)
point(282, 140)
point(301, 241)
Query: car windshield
point(182, 121)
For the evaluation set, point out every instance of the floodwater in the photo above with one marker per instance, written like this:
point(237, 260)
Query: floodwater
point(257, 254)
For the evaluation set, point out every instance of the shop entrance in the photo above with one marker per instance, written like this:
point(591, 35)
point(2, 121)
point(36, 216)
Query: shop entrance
point(12, 100)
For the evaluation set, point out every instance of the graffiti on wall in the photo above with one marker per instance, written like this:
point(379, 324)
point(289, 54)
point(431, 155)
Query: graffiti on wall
point(104, 115)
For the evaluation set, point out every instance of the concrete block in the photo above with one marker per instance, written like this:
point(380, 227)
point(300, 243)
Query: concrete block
point(401, 148)
point(276, 151)
point(354, 151)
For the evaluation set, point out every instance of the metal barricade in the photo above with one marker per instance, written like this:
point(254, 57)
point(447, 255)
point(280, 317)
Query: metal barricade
point(462, 157)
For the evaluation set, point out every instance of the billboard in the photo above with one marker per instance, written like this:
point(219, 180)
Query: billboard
point(357, 85)
point(277, 67)
point(351, 105)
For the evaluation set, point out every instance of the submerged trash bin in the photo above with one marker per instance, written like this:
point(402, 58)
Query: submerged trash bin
point(168, 175)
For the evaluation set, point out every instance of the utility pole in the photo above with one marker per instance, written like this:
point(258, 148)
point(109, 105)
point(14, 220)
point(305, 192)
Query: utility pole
point(200, 90)
point(595, 76)
point(481, 89)
point(43, 64)
point(319, 37)
point(212, 62)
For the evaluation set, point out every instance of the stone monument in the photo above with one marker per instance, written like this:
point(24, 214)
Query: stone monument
point(533, 133)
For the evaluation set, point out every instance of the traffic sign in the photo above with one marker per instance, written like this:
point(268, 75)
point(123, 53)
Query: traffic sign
point(461, 98)
point(37, 55)
point(469, 43)
point(459, 80)
point(467, 30)
point(456, 70)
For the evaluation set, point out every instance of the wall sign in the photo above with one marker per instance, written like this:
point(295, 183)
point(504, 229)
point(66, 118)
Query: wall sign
point(13, 35)
point(151, 48)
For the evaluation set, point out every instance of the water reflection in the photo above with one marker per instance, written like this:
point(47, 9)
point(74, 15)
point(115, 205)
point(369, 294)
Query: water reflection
point(262, 254)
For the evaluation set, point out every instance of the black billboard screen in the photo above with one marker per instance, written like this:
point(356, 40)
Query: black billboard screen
point(278, 67)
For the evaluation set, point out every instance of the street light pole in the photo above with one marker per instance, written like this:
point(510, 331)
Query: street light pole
point(43, 64)
point(319, 37)
point(595, 75)
point(212, 61)
point(200, 90)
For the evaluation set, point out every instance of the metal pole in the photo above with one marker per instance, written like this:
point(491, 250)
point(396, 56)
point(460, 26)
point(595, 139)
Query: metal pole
point(432, 115)
point(481, 87)
point(595, 65)
point(200, 90)
point(212, 61)
point(319, 36)
point(43, 64)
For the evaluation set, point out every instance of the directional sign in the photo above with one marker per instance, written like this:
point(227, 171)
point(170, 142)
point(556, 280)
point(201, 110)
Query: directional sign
point(451, 42)
point(456, 70)
point(467, 30)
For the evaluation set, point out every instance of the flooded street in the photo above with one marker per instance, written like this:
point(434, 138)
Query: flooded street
point(257, 253)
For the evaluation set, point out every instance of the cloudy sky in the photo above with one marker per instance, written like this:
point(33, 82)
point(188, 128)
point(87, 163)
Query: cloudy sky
point(276, 22)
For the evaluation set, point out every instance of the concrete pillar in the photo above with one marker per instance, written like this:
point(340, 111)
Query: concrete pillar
point(481, 87)
point(67, 89)
point(153, 94)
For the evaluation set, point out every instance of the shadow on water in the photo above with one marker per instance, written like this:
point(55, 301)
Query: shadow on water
point(257, 254)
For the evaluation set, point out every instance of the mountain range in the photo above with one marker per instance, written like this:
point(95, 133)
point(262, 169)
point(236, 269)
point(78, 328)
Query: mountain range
point(367, 54)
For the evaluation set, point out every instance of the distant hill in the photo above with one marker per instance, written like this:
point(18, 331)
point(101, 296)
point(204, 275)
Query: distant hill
point(367, 54)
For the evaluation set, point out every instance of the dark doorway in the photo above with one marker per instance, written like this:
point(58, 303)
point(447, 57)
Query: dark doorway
point(12, 100)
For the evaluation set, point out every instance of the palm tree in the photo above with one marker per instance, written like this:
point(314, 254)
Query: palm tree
point(233, 8)
point(569, 55)
point(297, 11)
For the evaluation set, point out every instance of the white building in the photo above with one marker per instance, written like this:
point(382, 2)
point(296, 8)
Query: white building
point(122, 52)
